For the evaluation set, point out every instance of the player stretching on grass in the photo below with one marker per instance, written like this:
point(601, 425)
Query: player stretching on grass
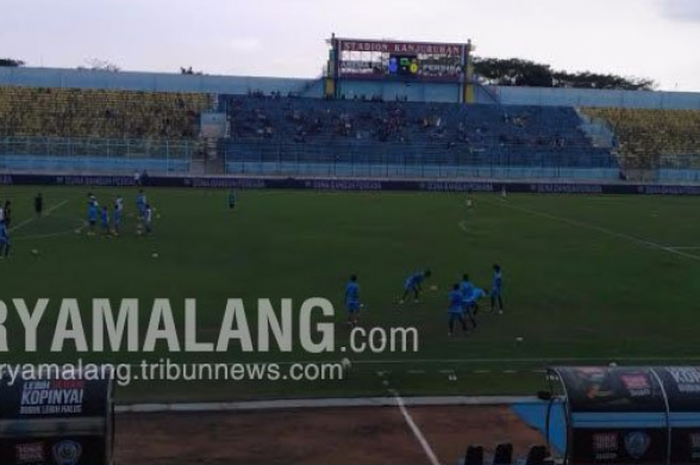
point(141, 203)
point(104, 220)
point(497, 289)
point(7, 215)
point(456, 311)
point(118, 210)
point(147, 220)
point(414, 284)
point(466, 287)
point(38, 205)
point(469, 306)
point(4, 241)
point(352, 301)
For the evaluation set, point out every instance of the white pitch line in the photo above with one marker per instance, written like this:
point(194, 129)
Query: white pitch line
point(459, 361)
point(415, 429)
point(488, 361)
point(31, 220)
point(609, 232)
point(524, 360)
point(82, 227)
point(684, 248)
point(463, 226)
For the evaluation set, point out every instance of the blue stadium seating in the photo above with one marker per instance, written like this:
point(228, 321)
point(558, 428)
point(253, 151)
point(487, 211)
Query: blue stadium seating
point(389, 139)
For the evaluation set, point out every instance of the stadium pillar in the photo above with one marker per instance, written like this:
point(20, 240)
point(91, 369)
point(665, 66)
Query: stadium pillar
point(330, 84)
point(468, 88)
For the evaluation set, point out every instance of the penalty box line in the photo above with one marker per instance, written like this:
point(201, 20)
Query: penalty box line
point(600, 229)
point(49, 210)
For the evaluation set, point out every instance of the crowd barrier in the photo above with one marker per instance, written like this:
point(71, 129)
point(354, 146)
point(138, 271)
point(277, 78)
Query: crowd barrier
point(56, 418)
point(629, 415)
point(337, 184)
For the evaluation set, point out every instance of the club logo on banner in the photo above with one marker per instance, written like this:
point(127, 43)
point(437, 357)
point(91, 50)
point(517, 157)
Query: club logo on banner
point(636, 444)
point(67, 453)
point(694, 440)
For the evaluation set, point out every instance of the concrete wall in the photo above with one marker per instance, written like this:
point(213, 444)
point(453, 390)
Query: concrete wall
point(153, 82)
point(597, 98)
point(415, 92)
point(163, 82)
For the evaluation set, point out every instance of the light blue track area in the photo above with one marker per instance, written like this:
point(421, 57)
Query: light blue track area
point(535, 415)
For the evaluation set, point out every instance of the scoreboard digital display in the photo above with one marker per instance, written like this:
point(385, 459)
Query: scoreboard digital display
point(404, 65)
point(419, 61)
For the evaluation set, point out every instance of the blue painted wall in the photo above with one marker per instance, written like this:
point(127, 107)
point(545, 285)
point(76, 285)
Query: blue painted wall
point(163, 82)
point(598, 98)
point(415, 92)
point(154, 82)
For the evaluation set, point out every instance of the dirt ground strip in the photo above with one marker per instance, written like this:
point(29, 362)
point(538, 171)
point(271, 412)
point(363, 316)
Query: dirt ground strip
point(316, 436)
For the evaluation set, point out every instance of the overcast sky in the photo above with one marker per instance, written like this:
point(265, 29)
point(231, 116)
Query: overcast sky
point(659, 39)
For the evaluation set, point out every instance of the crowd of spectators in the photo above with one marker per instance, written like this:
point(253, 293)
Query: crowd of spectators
point(375, 120)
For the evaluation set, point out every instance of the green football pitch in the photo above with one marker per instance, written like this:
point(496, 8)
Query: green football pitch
point(587, 279)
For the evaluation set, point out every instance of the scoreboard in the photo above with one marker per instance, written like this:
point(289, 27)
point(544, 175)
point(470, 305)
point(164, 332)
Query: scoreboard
point(362, 59)
point(403, 65)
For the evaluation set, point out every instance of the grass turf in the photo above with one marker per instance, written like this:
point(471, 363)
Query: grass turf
point(591, 279)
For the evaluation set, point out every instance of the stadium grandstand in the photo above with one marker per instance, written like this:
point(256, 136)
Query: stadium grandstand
point(665, 142)
point(381, 110)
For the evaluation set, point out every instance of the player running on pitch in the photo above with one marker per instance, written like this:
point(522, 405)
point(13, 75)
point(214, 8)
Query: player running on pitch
point(497, 289)
point(455, 311)
point(414, 283)
point(352, 301)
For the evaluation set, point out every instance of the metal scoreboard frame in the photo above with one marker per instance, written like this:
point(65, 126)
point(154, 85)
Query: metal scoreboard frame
point(397, 61)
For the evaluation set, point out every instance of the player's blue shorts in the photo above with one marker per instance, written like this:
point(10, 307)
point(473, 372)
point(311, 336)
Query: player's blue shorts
point(117, 218)
point(455, 316)
point(4, 240)
point(352, 307)
point(410, 285)
point(496, 292)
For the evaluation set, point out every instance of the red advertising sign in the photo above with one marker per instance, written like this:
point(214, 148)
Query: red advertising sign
point(400, 48)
